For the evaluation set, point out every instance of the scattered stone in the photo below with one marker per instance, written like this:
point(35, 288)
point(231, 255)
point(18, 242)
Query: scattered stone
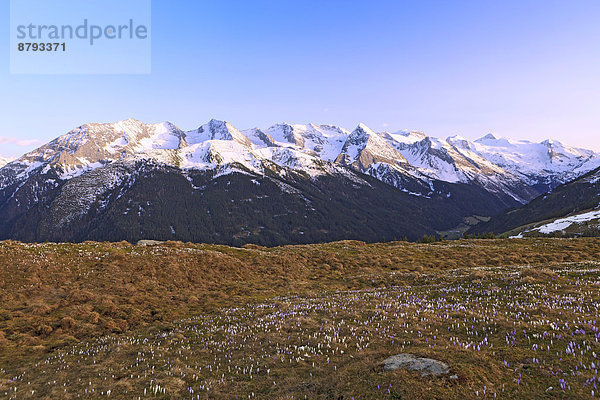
point(410, 362)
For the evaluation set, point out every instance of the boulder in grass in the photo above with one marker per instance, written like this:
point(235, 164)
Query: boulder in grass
point(410, 362)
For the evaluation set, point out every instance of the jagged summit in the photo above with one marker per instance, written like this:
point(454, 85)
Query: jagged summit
point(364, 148)
point(456, 138)
point(459, 141)
point(364, 129)
point(216, 130)
point(489, 136)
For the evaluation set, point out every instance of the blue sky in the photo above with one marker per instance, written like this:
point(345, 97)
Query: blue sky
point(521, 69)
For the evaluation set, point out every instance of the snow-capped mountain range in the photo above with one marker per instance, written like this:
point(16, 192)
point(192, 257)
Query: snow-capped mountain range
point(521, 169)
point(87, 170)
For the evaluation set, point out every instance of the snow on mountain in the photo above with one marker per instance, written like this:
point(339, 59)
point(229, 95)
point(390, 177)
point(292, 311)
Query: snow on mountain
point(573, 225)
point(431, 157)
point(211, 153)
point(406, 137)
point(408, 160)
point(563, 223)
point(453, 160)
point(216, 130)
point(448, 160)
point(568, 200)
point(211, 146)
point(521, 169)
point(79, 194)
point(364, 147)
point(323, 141)
point(537, 161)
point(4, 161)
point(259, 138)
point(93, 145)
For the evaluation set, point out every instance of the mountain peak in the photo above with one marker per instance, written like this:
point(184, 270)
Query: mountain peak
point(218, 123)
point(167, 125)
point(123, 122)
point(455, 137)
point(551, 143)
point(489, 136)
point(216, 130)
point(363, 130)
point(459, 141)
point(285, 133)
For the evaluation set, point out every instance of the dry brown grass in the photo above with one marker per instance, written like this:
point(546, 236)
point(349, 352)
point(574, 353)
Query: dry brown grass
point(111, 287)
point(57, 295)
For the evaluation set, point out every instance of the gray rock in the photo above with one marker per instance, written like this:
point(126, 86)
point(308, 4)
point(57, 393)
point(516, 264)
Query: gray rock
point(148, 242)
point(410, 362)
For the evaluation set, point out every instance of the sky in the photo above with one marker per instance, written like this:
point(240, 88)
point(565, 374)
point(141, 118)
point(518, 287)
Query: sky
point(525, 69)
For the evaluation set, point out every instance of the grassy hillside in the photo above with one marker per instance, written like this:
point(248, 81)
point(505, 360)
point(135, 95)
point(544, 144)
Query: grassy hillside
point(576, 196)
point(511, 318)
